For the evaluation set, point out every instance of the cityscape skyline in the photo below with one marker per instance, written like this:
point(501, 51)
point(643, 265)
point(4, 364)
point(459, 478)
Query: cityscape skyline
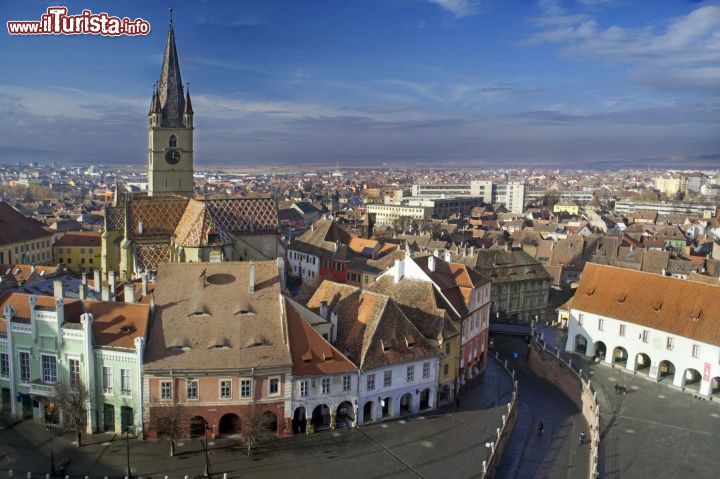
point(383, 83)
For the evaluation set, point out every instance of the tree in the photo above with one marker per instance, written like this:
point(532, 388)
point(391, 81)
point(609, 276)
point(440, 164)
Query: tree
point(259, 425)
point(170, 422)
point(72, 401)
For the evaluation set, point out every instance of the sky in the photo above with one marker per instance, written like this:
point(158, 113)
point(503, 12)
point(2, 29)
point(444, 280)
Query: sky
point(461, 83)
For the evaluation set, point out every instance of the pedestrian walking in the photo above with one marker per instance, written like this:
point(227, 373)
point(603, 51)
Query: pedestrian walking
point(617, 389)
point(541, 427)
point(582, 438)
point(624, 390)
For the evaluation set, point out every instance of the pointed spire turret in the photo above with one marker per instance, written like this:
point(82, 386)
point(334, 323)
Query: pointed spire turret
point(188, 103)
point(170, 89)
point(152, 101)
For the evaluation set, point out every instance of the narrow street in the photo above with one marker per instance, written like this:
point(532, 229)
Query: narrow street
point(554, 453)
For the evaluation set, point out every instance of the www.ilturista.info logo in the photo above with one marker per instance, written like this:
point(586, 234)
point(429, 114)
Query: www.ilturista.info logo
point(56, 21)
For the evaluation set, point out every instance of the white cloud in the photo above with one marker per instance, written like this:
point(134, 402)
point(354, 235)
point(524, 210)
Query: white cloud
point(685, 48)
point(459, 8)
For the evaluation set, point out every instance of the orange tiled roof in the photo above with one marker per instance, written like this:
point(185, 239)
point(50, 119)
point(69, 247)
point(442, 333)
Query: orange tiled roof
point(681, 307)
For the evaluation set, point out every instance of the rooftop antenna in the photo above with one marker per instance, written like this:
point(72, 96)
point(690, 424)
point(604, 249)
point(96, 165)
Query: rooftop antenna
point(170, 11)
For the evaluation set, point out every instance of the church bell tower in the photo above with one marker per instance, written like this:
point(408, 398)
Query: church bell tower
point(170, 129)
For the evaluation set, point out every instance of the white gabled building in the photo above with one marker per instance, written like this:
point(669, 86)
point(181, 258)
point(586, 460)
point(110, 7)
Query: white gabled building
point(324, 381)
point(666, 328)
point(398, 366)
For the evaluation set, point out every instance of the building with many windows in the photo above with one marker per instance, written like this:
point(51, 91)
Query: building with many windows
point(218, 350)
point(658, 326)
point(398, 365)
point(79, 250)
point(46, 340)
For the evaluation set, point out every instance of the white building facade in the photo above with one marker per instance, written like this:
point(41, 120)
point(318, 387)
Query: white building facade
point(397, 389)
point(667, 333)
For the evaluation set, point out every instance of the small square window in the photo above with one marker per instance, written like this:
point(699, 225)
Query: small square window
point(225, 389)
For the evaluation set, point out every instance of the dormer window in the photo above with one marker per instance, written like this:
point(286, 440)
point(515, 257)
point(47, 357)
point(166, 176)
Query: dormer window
point(173, 142)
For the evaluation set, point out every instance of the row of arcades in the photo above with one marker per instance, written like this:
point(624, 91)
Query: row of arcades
point(661, 370)
point(240, 421)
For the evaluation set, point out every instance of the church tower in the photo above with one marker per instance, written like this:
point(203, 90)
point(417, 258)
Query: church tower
point(170, 130)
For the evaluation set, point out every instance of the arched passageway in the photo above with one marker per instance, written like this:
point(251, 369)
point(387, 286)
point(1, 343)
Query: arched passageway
point(642, 363)
point(620, 356)
point(321, 417)
point(230, 424)
point(666, 371)
point(299, 421)
point(580, 344)
point(197, 426)
point(692, 379)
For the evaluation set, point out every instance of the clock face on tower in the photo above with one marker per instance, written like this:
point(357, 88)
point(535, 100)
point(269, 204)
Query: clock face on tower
point(172, 157)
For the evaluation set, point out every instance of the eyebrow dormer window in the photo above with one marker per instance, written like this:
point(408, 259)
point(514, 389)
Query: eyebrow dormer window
point(173, 141)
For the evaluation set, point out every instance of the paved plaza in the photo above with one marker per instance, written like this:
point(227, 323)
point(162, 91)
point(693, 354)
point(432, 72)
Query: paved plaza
point(655, 430)
point(446, 443)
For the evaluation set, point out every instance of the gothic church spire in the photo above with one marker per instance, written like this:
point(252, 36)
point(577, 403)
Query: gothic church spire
point(170, 88)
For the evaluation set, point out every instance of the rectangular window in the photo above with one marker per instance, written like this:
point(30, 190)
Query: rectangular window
point(446, 369)
point(371, 382)
point(246, 388)
point(410, 374)
point(645, 335)
point(325, 384)
point(303, 389)
point(4, 365)
point(426, 370)
point(447, 348)
point(225, 389)
point(274, 387)
point(191, 389)
point(49, 369)
point(622, 330)
point(601, 324)
point(347, 382)
point(696, 351)
point(125, 382)
point(669, 343)
point(74, 370)
point(165, 390)
point(387, 378)
point(107, 380)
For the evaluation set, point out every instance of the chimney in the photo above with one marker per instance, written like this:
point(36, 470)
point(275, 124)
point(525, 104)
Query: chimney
point(323, 309)
point(448, 256)
point(84, 278)
point(111, 284)
point(97, 281)
point(333, 326)
point(144, 277)
point(399, 270)
point(32, 300)
point(251, 277)
point(140, 227)
point(436, 253)
point(58, 289)
point(105, 293)
point(431, 263)
point(129, 293)
point(60, 317)
point(82, 291)
point(281, 273)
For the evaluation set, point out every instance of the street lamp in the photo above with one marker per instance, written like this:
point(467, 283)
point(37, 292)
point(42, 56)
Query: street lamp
point(206, 470)
point(52, 455)
point(127, 448)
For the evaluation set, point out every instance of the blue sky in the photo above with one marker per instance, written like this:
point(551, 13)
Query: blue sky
point(371, 82)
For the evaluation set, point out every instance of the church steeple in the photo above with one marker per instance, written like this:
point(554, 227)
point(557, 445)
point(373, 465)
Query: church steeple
point(170, 89)
point(170, 129)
